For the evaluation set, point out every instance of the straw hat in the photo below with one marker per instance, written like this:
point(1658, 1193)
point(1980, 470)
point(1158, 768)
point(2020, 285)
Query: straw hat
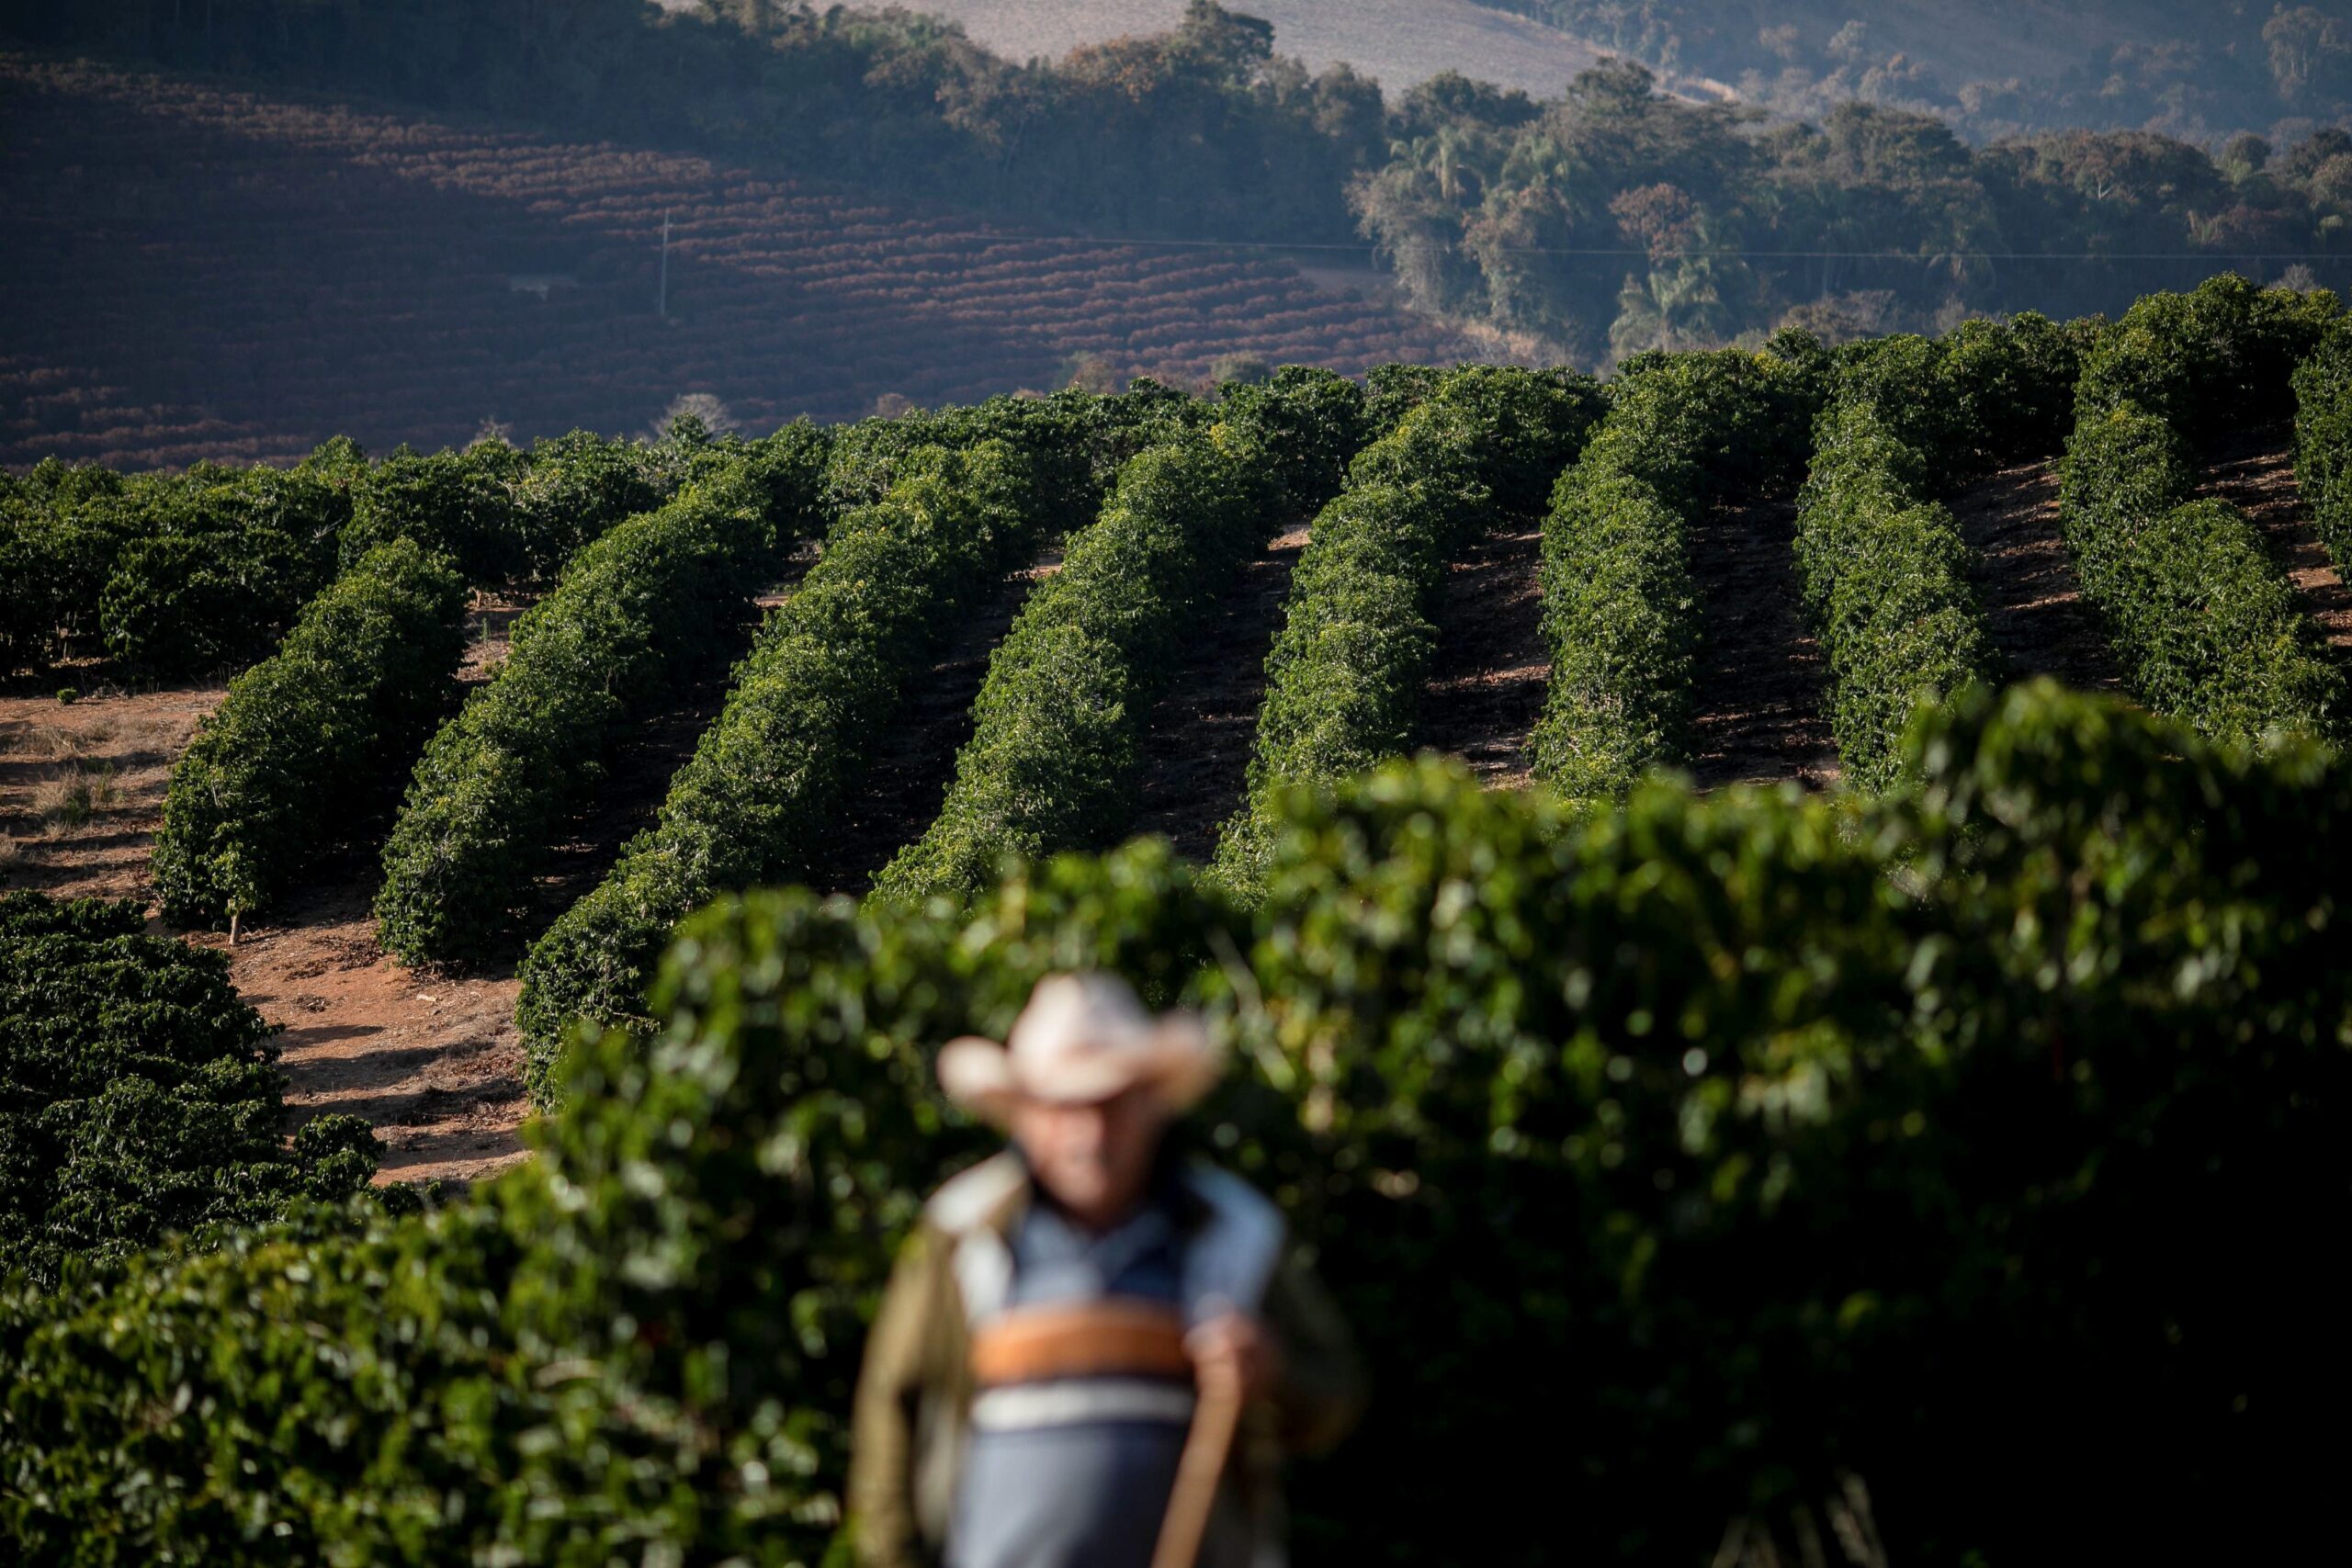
point(1081, 1038)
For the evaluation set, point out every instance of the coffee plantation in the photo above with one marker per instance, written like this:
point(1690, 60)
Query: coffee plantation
point(1671, 1163)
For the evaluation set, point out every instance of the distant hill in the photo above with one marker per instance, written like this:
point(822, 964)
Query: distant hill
point(1399, 43)
point(2199, 69)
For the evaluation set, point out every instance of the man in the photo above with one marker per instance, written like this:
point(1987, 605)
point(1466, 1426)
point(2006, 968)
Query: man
point(1071, 1314)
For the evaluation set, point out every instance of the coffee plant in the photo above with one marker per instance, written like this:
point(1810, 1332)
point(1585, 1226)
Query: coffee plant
point(769, 778)
point(1345, 678)
point(642, 609)
point(138, 1097)
point(1684, 432)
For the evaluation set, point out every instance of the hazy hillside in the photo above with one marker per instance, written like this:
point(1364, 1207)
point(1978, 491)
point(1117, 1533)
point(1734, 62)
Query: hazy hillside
point(1397, 43)
point(2203, 69)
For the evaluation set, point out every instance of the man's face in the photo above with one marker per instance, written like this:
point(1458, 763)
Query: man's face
point(1093, 1158)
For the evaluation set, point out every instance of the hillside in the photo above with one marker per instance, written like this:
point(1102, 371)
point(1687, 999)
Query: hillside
point(206, 273)
point(1999, 67)
point(1399, 43)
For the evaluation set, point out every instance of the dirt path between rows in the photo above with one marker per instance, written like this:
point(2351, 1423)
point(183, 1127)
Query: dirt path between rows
point(434, 1066)
point(2034, 608)
point(1486, 690)
point(914, 759)
point(1757, 717)
point(1198, 739)
point(2257, 474)
point(432, 1059)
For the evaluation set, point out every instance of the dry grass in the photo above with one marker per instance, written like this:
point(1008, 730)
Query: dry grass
point(63, 743)
point(71, 797)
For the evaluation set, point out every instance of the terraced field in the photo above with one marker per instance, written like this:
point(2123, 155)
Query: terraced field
point(200, 273)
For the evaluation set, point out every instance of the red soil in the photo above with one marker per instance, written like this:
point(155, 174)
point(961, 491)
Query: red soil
point(914, 762)
point(1198, 737)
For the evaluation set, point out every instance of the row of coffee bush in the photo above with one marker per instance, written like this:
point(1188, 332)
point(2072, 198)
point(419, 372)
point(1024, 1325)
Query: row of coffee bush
point(1684, 433)
point(1346, 676)
point(309, 747)
point(1694, 1168)
point(2203, 619)
point(1052, 764)
point(1884, 568)
point(770, 778)
point(656, 602)
point(2324, 440)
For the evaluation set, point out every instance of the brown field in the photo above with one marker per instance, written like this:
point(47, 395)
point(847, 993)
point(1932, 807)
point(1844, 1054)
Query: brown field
point(196, 272)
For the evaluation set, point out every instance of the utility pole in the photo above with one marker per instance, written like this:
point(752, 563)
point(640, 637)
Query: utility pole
point(662, 291)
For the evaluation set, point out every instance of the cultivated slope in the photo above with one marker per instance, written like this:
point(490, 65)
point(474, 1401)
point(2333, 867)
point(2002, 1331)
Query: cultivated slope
point(199, 273)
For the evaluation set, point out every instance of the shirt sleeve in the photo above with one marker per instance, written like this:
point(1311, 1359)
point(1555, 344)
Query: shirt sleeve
point(882, 1434)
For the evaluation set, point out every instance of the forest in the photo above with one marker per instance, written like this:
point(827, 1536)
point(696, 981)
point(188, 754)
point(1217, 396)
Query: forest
point(1614, 219)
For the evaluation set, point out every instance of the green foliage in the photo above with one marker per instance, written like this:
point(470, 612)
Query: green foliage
point(181, 576)
point(137, 1095)
point(2205, 621)
point(2323, 441)
point(1685, 433)
point(1392, 392)
point(1689, 1128)
point(306, 749)
point(1052, 764)
point(580, 485)
point(768, 779)
point(1305, 424)
point(2218, 359)
point(1884, 568)
point(649, 604)
point(1345, 679)
point(2010, 384)
point(457, 504)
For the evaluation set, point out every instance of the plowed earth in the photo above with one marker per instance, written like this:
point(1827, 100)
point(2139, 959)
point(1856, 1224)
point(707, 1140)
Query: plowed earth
point(1486, 690)
point(1198, 737)
point(907, 779)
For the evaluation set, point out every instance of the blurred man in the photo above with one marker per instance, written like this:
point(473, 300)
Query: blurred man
point(1077, 1319)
